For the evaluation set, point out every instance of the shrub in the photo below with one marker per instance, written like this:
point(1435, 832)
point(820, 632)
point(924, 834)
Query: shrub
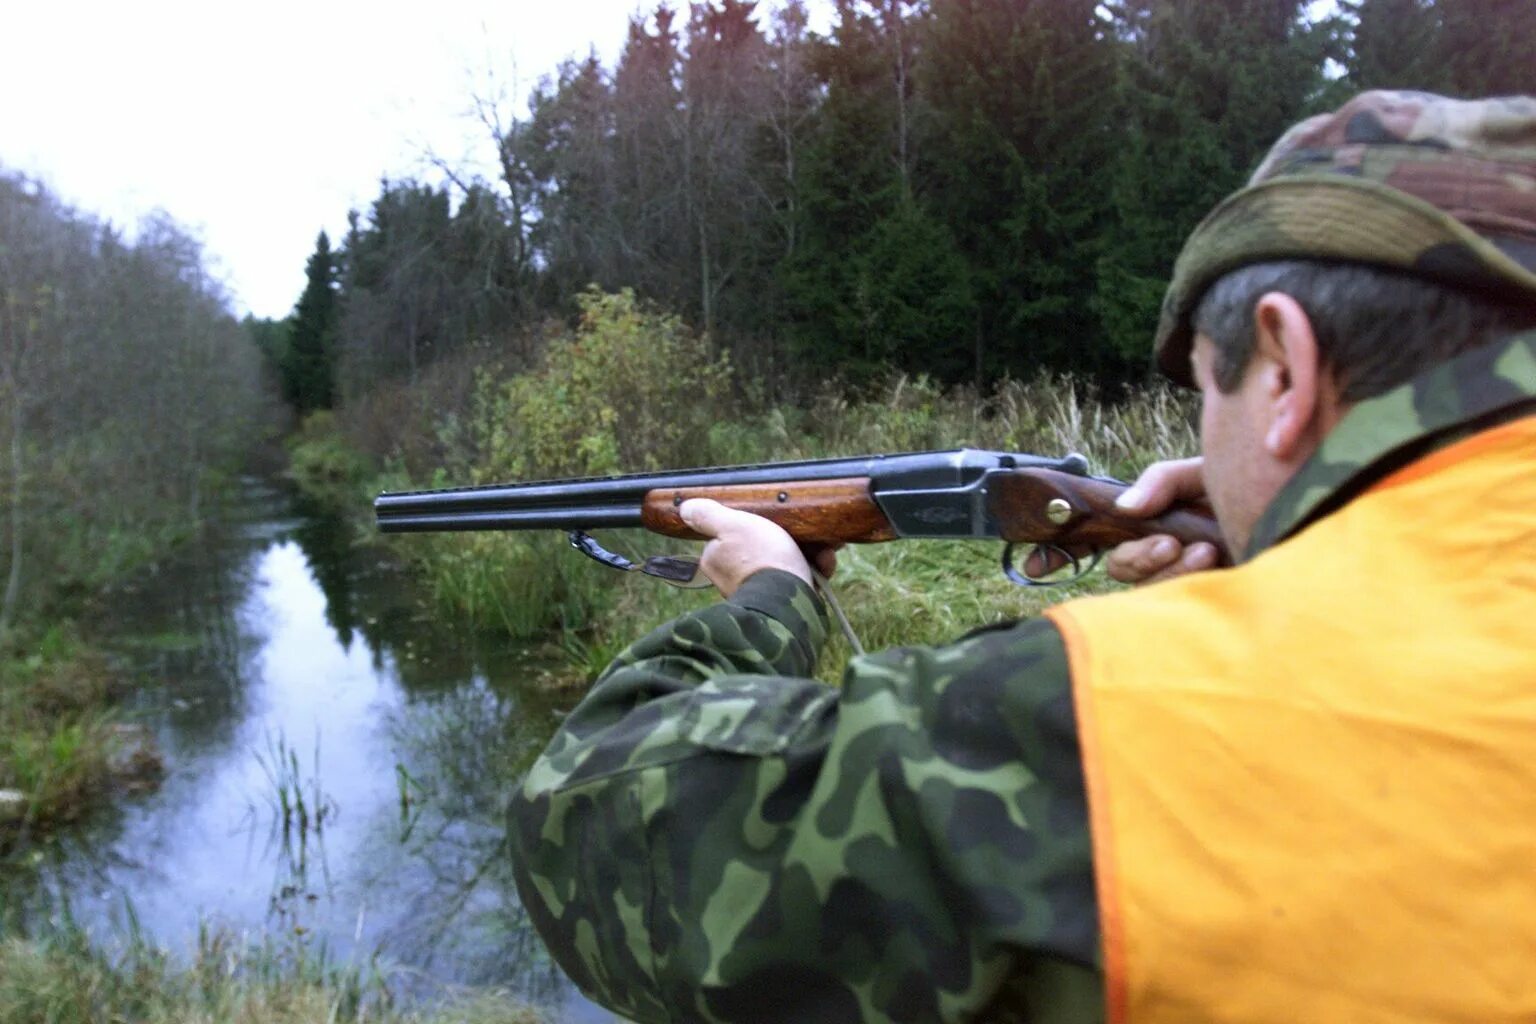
point(632, 389)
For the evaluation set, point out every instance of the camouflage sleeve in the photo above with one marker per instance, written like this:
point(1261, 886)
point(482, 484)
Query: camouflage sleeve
point(714, 837)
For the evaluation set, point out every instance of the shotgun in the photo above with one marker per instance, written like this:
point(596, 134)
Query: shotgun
point(1052, 504)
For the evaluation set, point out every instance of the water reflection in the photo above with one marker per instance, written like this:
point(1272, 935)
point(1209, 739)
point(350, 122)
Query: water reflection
point(278, 653)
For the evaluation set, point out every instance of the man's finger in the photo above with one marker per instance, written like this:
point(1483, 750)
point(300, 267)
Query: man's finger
point(1044, 560)
point(823, 557)
point(708, 518)
point(1153, 559)
point(1162, 485)
point(1138, 561)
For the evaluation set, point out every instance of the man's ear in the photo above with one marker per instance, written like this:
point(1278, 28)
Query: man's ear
point(1292, 391)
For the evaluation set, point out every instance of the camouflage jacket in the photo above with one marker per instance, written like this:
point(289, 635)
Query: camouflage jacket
point(713, 836)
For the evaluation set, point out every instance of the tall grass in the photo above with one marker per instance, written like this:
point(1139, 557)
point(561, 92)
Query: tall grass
point(296, 802)
point(65, 978)
point(56, 734)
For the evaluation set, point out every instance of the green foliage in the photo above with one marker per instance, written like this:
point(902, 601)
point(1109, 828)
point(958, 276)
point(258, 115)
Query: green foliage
point(129, 394)
point(1458, 47)
point(1017, 130)
point(529, 584)
point(1393, 46)
point(57, 737)
point(322, 462)
point(631, 389)
point(1193, 122)
point(308, 363)
point(909, 305)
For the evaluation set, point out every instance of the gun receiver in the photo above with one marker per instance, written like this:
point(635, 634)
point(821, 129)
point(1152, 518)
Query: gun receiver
point(962, 493)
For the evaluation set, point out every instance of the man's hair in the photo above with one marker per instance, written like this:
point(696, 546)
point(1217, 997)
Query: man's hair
point(1375, 328)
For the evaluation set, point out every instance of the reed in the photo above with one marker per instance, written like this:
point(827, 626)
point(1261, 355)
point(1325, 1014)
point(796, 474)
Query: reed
point(296, 801)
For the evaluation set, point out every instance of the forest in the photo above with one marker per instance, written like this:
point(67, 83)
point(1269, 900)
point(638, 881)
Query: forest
point(964, 189)
point(129, 395)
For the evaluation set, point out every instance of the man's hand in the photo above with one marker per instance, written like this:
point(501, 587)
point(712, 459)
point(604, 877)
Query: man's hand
point(1160, 486)
point(741, 544)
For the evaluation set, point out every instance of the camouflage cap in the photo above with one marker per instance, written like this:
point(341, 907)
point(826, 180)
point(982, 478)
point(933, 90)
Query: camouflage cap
point(1442, 188)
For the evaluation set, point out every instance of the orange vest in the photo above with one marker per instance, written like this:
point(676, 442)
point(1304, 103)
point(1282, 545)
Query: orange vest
point(1312, 779)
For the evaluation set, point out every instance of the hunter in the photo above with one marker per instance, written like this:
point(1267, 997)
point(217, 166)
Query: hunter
point(1302, 788)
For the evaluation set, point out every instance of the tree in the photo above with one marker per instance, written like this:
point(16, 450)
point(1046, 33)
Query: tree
point(1198, 120)
point(121, 366)
point(1016, 136)
point(1394, 46)
point(309, 366)
point(566, 147)
point(1489, 46)
point(852, 178)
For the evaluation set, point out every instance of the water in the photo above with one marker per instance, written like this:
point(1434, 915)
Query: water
point(284, 658)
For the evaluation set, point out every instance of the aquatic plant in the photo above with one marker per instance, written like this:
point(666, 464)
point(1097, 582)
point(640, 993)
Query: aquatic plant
point(297, 803)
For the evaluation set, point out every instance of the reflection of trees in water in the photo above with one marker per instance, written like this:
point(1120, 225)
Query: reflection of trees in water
point(180, 624)
point(442, 864)
point(325, 537)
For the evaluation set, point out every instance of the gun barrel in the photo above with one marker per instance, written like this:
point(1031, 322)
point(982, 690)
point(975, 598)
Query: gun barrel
point(575, 517)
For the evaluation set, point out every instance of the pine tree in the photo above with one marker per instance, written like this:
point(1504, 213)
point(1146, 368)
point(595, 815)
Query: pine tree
point(1206, 88)
point(309, 370)
point(1488, 46)
point(1015, 134)
point(852, 177)
point(1394, 46)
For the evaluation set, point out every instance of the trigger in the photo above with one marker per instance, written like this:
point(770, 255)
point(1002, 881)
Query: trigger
point(680, 572)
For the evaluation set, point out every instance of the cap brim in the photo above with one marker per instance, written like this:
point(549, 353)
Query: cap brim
point(1333, 218)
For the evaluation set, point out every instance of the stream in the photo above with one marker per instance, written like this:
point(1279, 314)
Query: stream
point(336, 766)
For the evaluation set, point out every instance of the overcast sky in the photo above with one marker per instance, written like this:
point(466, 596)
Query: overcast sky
point(256, 125)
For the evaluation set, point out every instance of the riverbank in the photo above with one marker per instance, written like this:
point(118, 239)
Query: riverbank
point(64, 749)
point(274, 658)
point(66, 978)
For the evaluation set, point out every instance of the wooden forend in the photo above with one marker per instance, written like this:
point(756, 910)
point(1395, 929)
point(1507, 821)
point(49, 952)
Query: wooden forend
point(812, 511)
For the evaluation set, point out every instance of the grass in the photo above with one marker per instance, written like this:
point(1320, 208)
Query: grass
point(64, 978)
point(57, 736)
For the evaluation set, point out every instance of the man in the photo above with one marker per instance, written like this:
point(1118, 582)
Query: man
point(1300, 789)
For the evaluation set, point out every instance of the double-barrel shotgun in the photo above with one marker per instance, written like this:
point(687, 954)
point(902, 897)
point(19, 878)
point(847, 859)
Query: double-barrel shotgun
point(1052, 504)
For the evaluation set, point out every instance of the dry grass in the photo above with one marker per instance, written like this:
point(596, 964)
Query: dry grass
point(63, 979)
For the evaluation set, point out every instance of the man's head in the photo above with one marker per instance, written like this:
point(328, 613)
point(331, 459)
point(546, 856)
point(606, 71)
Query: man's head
point(1371, 244)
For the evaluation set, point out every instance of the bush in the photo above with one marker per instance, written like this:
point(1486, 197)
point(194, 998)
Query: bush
point(631, 390)
point(321, 461)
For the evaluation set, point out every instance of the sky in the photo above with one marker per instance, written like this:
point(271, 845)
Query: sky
point(257, 125)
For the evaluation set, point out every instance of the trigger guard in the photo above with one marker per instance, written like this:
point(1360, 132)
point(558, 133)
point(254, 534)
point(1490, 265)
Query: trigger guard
point(1022, 579)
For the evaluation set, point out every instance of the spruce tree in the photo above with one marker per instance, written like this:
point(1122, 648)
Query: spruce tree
point(309, 371)
point(1206, 87)
point(851, 179)
point(1016, 133)
point(1488, 46)
point(1394, 46)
